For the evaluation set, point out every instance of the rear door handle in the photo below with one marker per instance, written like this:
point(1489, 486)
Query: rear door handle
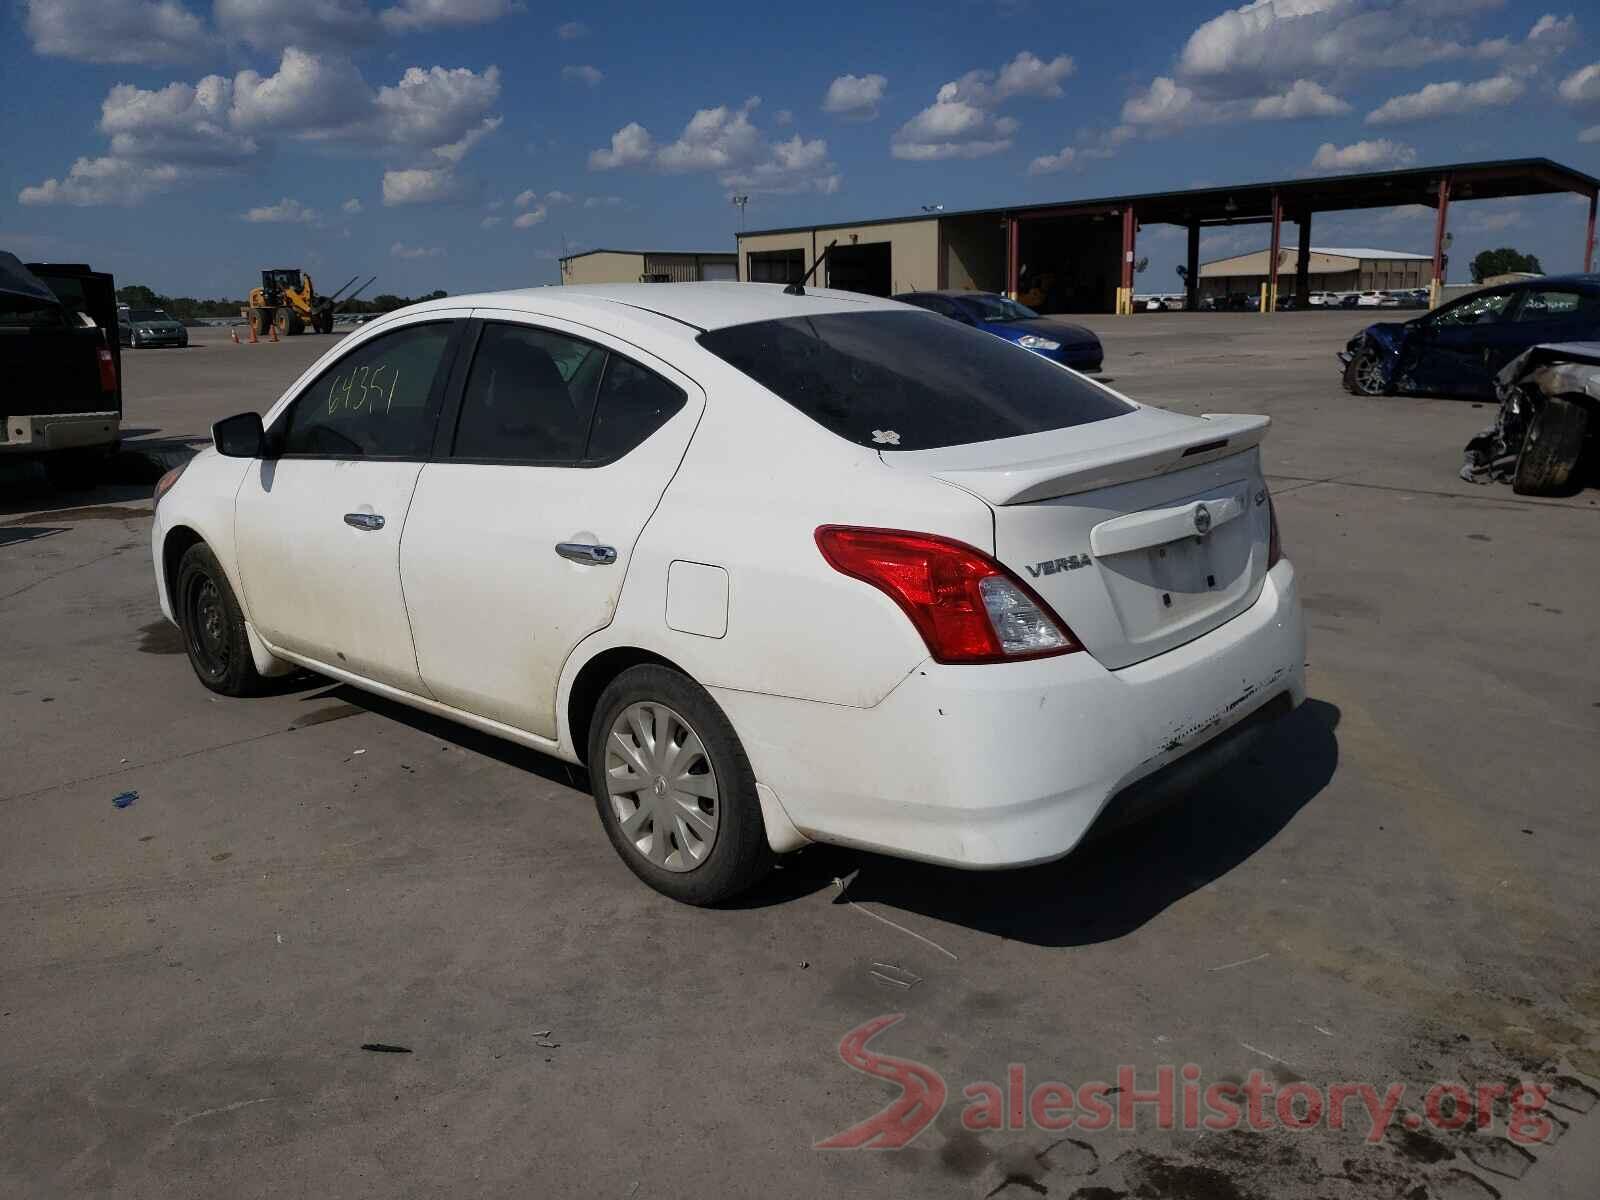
point(583, 552)
point(358, 520)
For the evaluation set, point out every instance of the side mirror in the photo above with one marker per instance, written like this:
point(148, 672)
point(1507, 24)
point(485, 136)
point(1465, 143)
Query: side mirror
point(240, 436)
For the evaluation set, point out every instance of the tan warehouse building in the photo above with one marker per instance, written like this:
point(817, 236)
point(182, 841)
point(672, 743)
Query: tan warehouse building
point(1327, 270)
point(1080, 255)
point(648, 266)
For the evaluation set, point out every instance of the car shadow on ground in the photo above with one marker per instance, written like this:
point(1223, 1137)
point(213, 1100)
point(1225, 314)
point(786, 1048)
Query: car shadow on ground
point(1108, 887)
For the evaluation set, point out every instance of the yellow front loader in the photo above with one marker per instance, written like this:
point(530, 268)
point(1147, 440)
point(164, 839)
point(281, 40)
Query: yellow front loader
point(288, 299)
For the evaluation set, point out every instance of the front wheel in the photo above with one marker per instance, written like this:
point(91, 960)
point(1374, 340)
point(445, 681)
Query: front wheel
point(674, 789)
point(1364, 376)
point(213, 625)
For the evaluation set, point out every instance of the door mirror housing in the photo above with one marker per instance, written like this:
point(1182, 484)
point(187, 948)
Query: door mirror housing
point(240, 436)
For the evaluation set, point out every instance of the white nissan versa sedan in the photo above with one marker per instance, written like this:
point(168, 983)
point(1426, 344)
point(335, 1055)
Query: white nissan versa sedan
point(775, 567)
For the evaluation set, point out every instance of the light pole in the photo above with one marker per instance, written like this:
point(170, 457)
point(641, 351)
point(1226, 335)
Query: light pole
point(739, 202)
point(932, 208)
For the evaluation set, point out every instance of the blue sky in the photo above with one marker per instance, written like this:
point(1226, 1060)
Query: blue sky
point(464, 144)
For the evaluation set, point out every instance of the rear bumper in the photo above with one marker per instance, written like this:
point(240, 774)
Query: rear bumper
point(1000, 766)
point(48, 432)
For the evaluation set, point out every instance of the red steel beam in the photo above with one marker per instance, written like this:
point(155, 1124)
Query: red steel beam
point(1013, 266)
point(1440, 221)
point(1588, 238)
point(1272, 253)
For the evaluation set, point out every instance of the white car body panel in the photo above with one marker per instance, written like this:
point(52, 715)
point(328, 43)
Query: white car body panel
point(855, 734)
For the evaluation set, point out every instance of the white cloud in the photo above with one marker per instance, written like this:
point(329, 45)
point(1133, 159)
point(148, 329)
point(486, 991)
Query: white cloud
point(284, 212)
point(1029, 75)
point(796, 165)
point(1164, 102)
point(1447, 99)
point(454, 152)
point(335, 25)
point(401, 250)
point(351, 206)
point(714, 139)
point(1048, 164)
point(149, 32)
point(1304, 98)
point(411, 15)
point(435, 106)
point(854, 96)
point(308, 96)
point(1582, 86)
point(630, 145)
point(490, 222)
point(95, 181)
point(571, 31)
point(961, 121)
point(583, 74)
point(183, 124)
point(724, 139)
point(1363, 156)
point(419, 185)
point(1589, 135)
point(530, 218)
point(525, 198)
point(557, 198)
point(783, 117)
point(602, 202)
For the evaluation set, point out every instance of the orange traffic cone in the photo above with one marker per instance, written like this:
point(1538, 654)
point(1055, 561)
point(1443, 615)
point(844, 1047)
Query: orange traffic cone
point(234, 334)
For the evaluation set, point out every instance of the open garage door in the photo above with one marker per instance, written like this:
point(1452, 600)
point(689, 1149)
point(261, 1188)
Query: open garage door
point(861, 268)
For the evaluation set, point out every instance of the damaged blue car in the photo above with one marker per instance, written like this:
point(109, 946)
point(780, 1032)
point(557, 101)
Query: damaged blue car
point(1458, 349)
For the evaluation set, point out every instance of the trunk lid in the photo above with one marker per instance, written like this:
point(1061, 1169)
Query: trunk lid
point(1142, 532)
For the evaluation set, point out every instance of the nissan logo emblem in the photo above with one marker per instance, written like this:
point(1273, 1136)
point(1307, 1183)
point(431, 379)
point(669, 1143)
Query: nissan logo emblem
point(1202, 519)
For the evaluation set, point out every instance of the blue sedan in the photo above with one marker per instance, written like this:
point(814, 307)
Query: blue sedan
point(1050, 337)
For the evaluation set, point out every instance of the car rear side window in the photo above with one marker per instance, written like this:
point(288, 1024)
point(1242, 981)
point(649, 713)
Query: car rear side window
point(633, 404)
point(378, 401)
point(909, 381)
point(529, 397)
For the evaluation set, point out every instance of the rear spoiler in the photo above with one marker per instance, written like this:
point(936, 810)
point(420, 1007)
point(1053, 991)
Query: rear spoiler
point(1214, 436)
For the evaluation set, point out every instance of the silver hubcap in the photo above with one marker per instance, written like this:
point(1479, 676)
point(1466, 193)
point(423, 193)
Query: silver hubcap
point(662, 786)
point(1369, 375)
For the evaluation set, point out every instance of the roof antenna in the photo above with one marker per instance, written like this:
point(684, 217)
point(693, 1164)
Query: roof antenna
point(799, 289)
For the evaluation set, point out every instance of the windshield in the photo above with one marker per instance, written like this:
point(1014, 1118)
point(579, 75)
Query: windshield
point(987, 307)
point(909, 380)
point(147, 314)
point(1483, 309)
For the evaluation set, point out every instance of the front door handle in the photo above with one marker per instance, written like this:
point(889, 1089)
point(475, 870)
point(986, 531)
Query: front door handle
point(583, 552)
point(367, 521)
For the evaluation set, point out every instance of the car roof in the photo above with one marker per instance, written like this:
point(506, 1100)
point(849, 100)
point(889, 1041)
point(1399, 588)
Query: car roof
point(695, 307)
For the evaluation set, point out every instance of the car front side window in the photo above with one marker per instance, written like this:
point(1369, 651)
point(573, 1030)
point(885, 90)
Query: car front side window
point(378, 401)
point(1483, 309)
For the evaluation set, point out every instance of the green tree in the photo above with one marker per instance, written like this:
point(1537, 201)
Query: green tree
point(1503, 261)
point(138, 296)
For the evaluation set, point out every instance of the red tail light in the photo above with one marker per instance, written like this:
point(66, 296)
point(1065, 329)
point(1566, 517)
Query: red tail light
point(1274, 542)
point(108, 371)
point(967, 607)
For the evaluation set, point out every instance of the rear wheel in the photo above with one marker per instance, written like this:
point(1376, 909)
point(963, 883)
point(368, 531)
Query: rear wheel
point(1551, 450)
point(674, 789)
point(261, 321)
point(295, 325)
point(1363, 375)
point(213, 625)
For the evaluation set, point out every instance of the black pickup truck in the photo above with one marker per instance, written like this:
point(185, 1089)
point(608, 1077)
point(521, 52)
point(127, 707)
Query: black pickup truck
point(62, 366)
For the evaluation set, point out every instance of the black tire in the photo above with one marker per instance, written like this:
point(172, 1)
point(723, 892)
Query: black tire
point(323, 322)
point(739, 855)
point(293, 325)
point(213, 625)
point(1359, 375)
point(261, 321)
point(1551, 450)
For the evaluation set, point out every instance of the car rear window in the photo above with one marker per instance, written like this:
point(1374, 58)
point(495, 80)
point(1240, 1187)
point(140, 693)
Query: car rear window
point(909, 380)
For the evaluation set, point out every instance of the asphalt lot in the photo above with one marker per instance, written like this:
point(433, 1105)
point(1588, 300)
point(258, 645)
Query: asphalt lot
point(1399, 886)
